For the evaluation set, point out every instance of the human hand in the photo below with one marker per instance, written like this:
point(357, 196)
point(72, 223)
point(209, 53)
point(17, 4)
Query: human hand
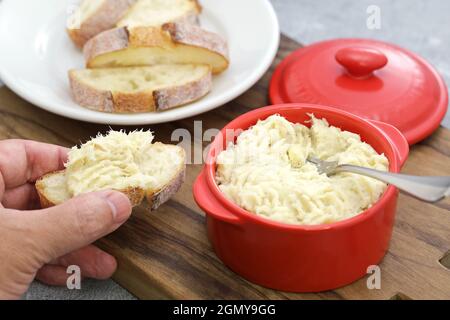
point(43, 243)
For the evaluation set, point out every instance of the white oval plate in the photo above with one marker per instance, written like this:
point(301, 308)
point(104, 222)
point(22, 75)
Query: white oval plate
point(36, 53)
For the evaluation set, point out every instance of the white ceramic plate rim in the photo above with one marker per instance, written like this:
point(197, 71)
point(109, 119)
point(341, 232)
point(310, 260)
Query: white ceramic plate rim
point(149, 118)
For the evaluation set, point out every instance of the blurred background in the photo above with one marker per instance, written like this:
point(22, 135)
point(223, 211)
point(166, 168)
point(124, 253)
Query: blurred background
point(422, 26)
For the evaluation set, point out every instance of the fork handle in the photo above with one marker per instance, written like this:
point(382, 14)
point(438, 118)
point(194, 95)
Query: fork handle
point(430, 189)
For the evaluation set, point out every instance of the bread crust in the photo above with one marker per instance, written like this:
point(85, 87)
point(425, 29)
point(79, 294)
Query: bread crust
point(169, 35)
point(41, 190)
point(178, 95)
point(45, 203)
point(198, 6)
point(136, 195)
point(107, 41)
point(193, 35)
point(90, 97)
point(125, 102)
point(190, 18)
point(143, 101)
point(104, 18)
point(155, 200)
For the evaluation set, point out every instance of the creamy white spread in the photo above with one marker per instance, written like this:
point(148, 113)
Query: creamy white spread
point(119, 161)
point(266, 172)
point(110, 161)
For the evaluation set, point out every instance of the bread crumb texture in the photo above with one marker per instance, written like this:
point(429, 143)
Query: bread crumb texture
point(119, 161)
point(266, 172)
point(157, 12)
point(88, 8)
point(137, 79)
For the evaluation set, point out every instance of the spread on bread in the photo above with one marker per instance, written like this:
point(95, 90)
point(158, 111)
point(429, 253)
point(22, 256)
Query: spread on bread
point(131, 163)
point(266, 172)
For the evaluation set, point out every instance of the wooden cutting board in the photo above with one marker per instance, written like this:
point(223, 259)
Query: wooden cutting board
point(166, 254)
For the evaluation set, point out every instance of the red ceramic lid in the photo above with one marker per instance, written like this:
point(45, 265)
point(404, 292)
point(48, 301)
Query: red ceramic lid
point(369, 78)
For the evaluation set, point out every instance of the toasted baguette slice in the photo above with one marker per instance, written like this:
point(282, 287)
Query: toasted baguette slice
point(162, 172)
point(140, 89)
point(95, 16)
point(173, 43)
point(154, 13)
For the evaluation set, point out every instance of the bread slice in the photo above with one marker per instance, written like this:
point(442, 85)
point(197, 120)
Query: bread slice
point(95, 16)
point(140, 89)
point(154, 13)
point(173, 43)
point(129, 163)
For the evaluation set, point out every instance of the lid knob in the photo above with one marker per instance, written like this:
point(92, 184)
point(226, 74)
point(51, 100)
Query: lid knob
point(361, 62)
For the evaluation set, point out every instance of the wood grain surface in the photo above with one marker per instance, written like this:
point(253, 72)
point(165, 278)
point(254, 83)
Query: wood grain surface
point(166, 254)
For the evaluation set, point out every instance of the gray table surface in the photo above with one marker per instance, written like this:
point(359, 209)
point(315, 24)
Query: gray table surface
point(419, 25)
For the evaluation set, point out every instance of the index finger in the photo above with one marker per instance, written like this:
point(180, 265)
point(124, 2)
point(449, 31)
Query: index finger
point(24, 161)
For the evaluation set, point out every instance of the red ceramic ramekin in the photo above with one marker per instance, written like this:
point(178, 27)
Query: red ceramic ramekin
point(300, 258)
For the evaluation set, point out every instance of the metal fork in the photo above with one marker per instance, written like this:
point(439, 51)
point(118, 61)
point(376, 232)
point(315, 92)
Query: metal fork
point(430, 189)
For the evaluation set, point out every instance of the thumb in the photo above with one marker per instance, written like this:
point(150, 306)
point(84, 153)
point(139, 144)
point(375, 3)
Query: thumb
point(78, 222)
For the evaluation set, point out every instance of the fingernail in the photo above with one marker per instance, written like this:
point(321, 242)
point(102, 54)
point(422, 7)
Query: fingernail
point(120, 206)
